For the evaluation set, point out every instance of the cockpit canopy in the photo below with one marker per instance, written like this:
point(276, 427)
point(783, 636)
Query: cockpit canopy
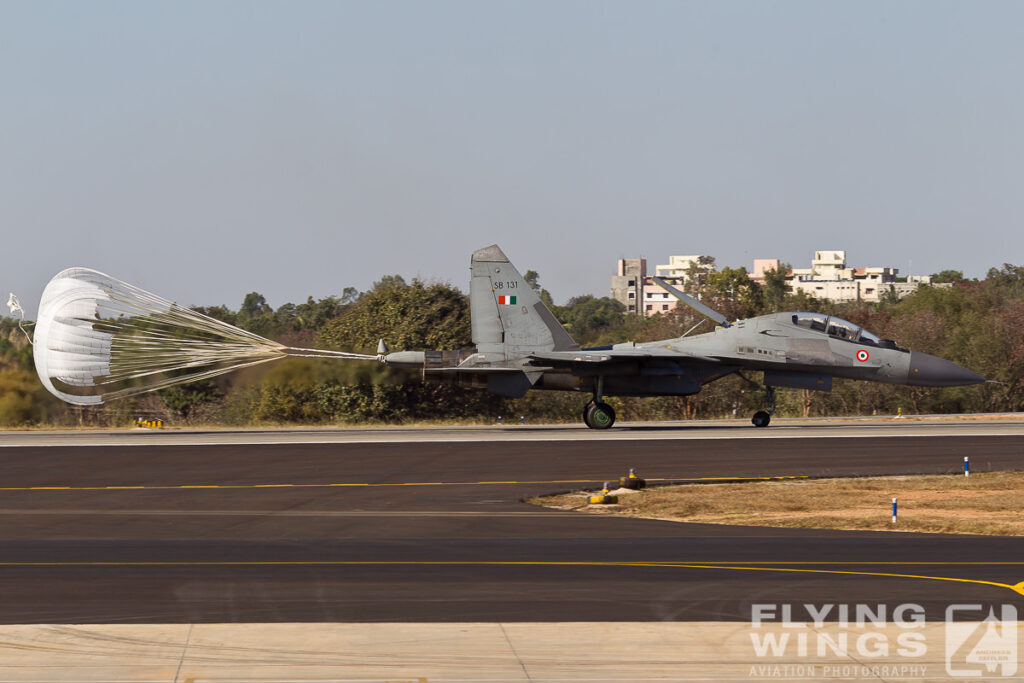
point(835, 327)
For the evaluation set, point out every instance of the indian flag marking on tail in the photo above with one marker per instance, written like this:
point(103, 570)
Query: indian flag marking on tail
point(506, 300)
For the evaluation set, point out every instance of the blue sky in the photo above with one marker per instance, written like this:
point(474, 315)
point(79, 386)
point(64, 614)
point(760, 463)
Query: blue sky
point(203, 150)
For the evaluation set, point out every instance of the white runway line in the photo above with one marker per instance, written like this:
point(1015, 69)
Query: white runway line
point(528, 434)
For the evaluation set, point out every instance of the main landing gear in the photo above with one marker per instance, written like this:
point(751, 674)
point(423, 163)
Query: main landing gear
point(763, 417)
point(597, 414)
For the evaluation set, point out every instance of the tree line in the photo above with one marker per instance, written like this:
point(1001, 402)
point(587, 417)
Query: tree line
point(976, 323)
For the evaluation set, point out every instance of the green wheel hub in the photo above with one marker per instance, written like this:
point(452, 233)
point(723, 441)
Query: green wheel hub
point(599, 416)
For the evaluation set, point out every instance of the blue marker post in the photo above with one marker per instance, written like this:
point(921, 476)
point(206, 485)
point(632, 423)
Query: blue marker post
point(499, 419)
point(522, 419)
point(893, 510)
point(967, 467)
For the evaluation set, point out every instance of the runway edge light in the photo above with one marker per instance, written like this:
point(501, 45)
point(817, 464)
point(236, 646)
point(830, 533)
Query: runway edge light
point(632, 481)
point(604, 498)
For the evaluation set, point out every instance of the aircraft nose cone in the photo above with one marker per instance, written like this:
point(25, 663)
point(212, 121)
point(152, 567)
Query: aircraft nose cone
point(932, 371)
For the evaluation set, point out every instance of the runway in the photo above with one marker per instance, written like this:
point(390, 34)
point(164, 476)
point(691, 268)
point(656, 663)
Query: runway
point(428, 525)
point(624, 431)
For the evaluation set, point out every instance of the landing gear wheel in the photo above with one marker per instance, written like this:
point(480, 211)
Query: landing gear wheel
point(761, 418)
point(598, 415)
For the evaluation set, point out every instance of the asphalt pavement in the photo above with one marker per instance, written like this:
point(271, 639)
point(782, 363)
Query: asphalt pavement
point(429, 525)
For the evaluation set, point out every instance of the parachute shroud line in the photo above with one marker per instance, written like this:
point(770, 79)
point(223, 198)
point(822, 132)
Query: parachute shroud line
point(15, 306)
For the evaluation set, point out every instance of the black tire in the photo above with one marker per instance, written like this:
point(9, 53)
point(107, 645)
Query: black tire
point(599, 416)
point(761, 418)
point(586, 414)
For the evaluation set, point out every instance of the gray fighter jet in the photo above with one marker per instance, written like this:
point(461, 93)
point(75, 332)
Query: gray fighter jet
point(521, 346)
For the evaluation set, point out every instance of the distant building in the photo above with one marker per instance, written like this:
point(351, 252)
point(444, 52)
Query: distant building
point(656, 299)
point(830, 278)
point(628, 283)
point(761, 266)
point(827, 278)
point(637, 290)
point(682, 268)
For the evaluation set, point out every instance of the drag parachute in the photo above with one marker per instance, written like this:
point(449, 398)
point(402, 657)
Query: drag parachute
point(98, 338)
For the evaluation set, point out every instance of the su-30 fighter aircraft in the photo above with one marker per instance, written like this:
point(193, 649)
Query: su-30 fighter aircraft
point(521, 346)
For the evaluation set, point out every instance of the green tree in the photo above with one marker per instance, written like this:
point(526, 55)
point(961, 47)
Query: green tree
point(889, 296)
point(257, 316)
point(533, 279)
point(735, 286)
point(698, 271)
point(22, 398)
point(407, 317)
point(587, 317)
point(185, 399)
point(389, 281)
point(255, 305)
point(350, 295)
point(312, 315)
point(1009, 279)
point(948, 276)
point(775, 288)
point(222, 313)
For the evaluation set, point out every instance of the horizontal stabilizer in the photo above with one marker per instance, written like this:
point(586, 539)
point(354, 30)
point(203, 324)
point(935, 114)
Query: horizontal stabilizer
point(477, 370)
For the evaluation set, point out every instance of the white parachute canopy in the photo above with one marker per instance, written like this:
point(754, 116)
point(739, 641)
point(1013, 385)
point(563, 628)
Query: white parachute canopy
point(98, 339)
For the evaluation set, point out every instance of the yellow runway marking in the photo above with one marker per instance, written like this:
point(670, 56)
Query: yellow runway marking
point(1016, 588)
point(176, 487)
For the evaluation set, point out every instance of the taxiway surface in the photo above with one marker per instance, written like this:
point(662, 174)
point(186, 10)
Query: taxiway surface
point(428, 525)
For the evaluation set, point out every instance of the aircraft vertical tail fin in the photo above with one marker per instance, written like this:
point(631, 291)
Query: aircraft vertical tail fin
point(507, 316)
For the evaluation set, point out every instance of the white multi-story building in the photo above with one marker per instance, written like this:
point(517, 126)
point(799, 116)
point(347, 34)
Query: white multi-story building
point(830, 278)
point(682, 267)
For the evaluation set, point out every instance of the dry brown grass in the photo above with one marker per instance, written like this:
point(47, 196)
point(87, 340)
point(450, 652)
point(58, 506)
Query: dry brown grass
point(984, 503)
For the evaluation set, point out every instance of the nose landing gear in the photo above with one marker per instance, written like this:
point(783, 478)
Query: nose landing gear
point(763, 417)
